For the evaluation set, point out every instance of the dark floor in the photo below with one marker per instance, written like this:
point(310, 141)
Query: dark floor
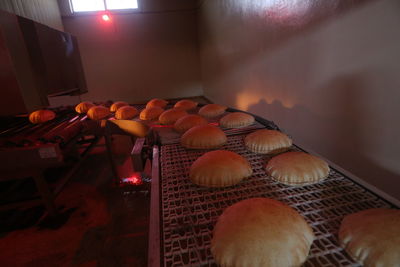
point(99, 225)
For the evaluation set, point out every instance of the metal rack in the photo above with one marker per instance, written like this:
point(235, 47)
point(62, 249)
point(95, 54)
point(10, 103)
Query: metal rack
point(189, 212)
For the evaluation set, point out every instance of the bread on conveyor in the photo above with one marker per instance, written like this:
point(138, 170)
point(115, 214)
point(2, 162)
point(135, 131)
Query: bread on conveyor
point(126, 113)
point(297, 168)
point(83, 107)
point(185, 123)
point(212, 110)
point(203, 137)
point(372, 237)
point(267, 142)
point(261, 232)
point(236, 120)
point(98, 112)
point(42, 115)
point(156, 102)
point(170, 116)
point(150, 113)
point(185, 104)
point(116, 105)
point(219, 168)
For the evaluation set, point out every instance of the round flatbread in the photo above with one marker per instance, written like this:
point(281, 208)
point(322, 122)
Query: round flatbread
point(171, 116)
point(83, 107)
point(236, 120)
point(261, 232)
point(150, 113)
point(126, 113)
point(189, 121)
point(186, 104)
point(372, 237)
point(203, 137)
point(297, 168)
point(212, 110)
point(116, 105)
point(219, 168)
point(156, 102)
point(98, 112)
point(267, 142)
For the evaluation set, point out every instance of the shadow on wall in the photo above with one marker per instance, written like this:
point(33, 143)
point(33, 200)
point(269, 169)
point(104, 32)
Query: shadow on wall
point(349, 137)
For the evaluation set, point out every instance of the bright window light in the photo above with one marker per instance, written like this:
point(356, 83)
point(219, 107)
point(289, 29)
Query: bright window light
point(87, 5)
point(121, 4)
point(101, 5)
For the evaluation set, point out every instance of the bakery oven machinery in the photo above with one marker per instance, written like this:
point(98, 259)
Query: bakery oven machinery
point(30, 150)
point(183, 215)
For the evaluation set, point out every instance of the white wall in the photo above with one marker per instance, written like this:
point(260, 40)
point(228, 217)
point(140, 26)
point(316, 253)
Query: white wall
point(138, 56)
point(333, 84)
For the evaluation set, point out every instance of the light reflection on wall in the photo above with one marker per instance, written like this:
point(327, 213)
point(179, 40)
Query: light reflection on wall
point(247, 98)
point(289, 12)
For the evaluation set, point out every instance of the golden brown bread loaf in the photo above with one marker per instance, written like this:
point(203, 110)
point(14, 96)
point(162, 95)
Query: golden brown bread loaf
point(186, 104)
point(116, 105)
point(236, 120)
point(203, 137)
point(98, 112)
point(267, 142)
point(189, 121)
point(171, 116)
point(156, 102)
point(297, 168)
point(372, 237)
point(212, 110)
point(261, 232)
point(83, 107)
point(126, 113)
point(42, 115)
point(219, 168)
point(150, 113)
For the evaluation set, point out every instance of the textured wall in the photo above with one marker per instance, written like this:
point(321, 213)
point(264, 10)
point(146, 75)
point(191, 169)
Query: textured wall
point(326, 71)
point(43, 11)
point(139, 56)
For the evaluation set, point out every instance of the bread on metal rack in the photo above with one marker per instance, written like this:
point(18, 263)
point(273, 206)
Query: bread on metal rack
point(236, 120)
point(203, 137)
point(212, 110)
point(297, 168)
point(372, 237)
point(261, 232)
point(219, 168)
point(267, 142)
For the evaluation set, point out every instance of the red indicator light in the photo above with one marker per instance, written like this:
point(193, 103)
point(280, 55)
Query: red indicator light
point(106, 17)
point(133, 180)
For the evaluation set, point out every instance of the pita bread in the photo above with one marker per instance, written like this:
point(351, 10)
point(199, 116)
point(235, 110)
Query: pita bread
point(267, 142)
point(203, 137)
point(372, 237)
point(185, 123)
point(212, 110)
point(219, 168)
point(186, 104)
point(261, 232)
point(236, 120)
point(150, 113)
point(171, 116)
point(297, 168)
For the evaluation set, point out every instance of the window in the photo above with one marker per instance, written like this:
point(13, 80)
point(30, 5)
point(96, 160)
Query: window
point(101, 5)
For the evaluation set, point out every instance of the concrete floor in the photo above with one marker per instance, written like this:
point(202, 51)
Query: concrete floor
point(100, 225)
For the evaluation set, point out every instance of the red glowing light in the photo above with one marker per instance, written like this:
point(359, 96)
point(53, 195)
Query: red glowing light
point(106, 17)
point(133, 180)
